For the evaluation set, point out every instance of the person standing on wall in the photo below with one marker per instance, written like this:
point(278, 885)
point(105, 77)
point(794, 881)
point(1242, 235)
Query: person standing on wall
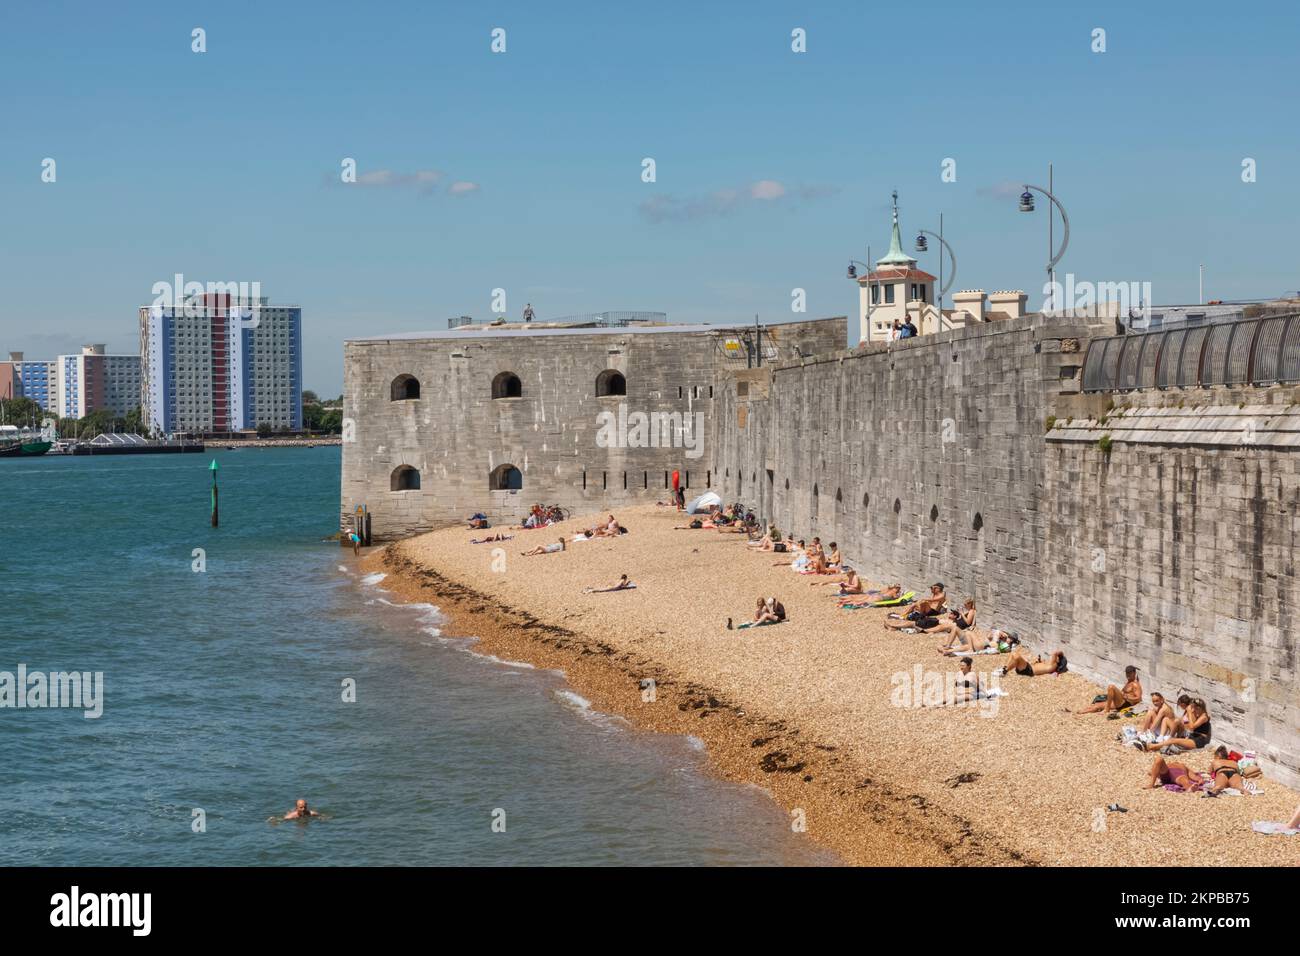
point(528, 312)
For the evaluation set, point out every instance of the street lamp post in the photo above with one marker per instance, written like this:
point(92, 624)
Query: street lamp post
point(1027, 205)
point(923, 246)
point(853, 274)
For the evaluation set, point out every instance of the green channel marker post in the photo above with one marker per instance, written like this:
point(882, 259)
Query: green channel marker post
point(213, 469)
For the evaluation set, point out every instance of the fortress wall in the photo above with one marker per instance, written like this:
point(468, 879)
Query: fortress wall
point(455, 433)
point(931, 460)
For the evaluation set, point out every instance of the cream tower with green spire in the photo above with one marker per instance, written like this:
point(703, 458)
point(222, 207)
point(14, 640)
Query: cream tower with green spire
point(888, 290)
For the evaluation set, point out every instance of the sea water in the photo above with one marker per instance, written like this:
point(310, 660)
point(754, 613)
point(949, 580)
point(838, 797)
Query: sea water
point(250, 665)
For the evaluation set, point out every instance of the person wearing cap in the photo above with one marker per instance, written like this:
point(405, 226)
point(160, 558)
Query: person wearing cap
point(1118, 698)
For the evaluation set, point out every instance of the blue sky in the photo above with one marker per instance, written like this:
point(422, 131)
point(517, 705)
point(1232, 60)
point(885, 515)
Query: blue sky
point(225, 165)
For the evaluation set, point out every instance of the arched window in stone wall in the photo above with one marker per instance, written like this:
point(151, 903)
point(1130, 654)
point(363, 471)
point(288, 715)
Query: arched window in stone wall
point(404, 478)
point(505, 478)
point(405, 388)
point(507, 385)
point(610, 382)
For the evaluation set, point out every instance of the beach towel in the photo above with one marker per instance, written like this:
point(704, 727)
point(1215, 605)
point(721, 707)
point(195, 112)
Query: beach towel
point(987, 650)
point(895, 602)
point(630, 587)
point(741, 627)
point(1274, 829)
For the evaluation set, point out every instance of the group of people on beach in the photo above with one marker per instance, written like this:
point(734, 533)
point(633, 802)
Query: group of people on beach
point(1160, 728)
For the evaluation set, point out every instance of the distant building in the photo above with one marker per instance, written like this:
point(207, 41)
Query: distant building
point(897, 291)
point(220, 364)
point(35, 380)
point(11, 383)
point(95, 381)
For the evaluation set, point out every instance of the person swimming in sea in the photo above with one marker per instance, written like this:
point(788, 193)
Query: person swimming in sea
point(301, 811)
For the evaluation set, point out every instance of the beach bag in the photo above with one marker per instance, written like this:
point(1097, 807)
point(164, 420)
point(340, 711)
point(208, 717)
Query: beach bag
point(779, 548)
point(697, 523)
point(1062, 667)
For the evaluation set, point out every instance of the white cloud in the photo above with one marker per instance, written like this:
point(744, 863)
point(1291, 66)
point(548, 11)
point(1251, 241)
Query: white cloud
point(723, 202)
point(463, 188)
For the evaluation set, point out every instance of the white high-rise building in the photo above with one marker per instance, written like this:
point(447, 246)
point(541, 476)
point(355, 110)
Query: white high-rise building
point(218, 363)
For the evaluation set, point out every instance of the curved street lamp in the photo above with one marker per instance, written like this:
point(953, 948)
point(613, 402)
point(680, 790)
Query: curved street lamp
point(853, 274)
point(923, 246)
point(1027, 205)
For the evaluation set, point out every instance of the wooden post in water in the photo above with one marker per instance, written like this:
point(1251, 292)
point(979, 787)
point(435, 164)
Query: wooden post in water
point(213, 469)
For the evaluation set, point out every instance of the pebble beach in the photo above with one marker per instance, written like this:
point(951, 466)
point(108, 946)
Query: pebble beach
point(821, 710)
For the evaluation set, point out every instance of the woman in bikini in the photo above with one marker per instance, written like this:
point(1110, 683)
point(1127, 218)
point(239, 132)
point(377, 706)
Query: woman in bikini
point(953, 627)
point(1026, 668)
point(1226, 773)
point(1179, 775)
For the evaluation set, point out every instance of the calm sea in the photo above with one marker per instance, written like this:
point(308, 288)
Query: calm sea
point(223, 694)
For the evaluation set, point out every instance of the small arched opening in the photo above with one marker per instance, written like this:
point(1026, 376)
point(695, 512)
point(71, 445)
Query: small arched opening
point(405, 388)
point(405, 478)
point(610, 382)
point(505, 478)
point(507, 385)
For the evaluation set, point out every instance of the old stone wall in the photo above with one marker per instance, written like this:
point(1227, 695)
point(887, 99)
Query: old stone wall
point(931, 460)
point(456, 433)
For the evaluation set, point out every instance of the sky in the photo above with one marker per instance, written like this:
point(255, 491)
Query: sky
point(524, 170)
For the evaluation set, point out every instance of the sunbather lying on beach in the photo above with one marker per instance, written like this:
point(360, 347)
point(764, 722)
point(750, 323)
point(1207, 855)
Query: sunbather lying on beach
point(1226, 773)
point(544, 549)
point(1190, 732)
point(478, 520)
point(1179, 775)
point(623, 585)
point(1118, 698)
point(1056, 664)
point(850, 584)
point(496, 537)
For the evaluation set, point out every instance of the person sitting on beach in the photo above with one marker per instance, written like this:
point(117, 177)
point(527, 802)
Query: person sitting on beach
point(544, 549)
point(834, 562)
point(1176, 774)
point(1226, 773)
point(968, 685)
point(768, 542)
point(769, 611)
point(929, 606)
point(924, 614)
point(1156, 715)
point(1056, 664)
point(800, 560)
point(1190, 732)
point(478, 520)
point(622, 585)
point(955, 623)
point(1118, 698)
point(849, 585)
point(300, 811)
